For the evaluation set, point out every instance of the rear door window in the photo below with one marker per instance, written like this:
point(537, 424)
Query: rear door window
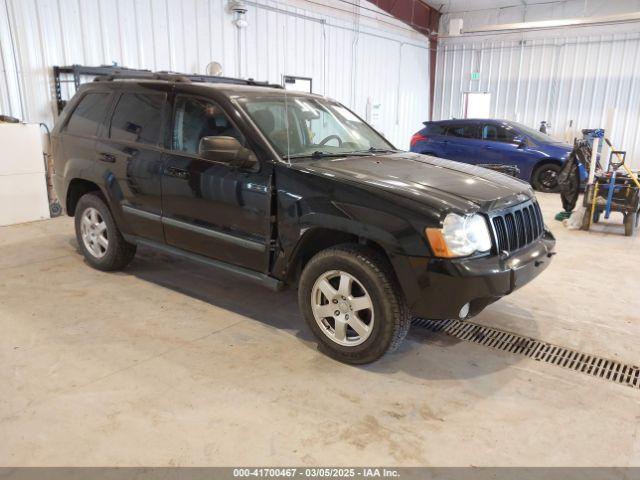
point(89, 113)
point(138, 118)
point(464, 130)
point(498, 133)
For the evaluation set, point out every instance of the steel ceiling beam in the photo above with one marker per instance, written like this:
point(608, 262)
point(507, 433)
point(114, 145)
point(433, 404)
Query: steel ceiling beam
point(415, 13)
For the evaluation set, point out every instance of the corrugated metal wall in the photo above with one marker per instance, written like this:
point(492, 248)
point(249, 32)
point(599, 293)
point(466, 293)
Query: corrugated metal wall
point(557, 79)
point(357, 64)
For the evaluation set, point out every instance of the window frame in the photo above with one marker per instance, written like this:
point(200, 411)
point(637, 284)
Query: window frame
point(160, 141)
point(105, 116)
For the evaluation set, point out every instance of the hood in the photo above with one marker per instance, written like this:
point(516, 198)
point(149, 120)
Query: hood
point(444, 184)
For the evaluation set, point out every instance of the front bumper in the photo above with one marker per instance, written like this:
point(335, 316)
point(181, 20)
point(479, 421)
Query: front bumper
point(442, 287)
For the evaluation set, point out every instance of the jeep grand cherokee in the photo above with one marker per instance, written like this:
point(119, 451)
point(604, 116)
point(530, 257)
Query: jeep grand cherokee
point(293, 189)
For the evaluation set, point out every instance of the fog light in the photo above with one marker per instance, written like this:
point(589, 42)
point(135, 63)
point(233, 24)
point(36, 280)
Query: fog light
point(464, 311)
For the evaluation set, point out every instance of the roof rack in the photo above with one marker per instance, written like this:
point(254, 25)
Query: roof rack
point(108, 73)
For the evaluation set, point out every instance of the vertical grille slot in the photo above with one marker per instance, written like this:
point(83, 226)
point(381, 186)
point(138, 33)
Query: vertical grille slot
point(520, 228)
point(528, 226)
point(539, 216)
point(534, 221)
point(512, 239)
point(517, 227)
point(501, 234)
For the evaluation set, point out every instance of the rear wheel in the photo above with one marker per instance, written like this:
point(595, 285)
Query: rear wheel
point(545, 178)
point(351, 302)
point(98, 236)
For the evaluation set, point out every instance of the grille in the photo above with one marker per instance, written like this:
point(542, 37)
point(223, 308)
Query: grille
point(588, 364)
point(517, 227)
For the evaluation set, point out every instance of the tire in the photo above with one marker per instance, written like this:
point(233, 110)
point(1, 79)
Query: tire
point(631, 221)
point(95, 224)
point(545, 178)
point(372, 284)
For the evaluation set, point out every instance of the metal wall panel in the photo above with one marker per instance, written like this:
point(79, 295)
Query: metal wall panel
point(571, 79)
point(355, 63)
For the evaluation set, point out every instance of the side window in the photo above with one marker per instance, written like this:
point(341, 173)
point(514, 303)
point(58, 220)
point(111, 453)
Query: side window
point(196, 118)
point(138, 118)
point(465, 130)
point(89, 113)
point(497, 133)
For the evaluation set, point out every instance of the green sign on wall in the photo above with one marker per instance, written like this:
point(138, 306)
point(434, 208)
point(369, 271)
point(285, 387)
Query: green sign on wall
point(475, 75)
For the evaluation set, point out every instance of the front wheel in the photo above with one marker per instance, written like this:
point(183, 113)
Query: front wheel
point(545, 178)
point(352, 303)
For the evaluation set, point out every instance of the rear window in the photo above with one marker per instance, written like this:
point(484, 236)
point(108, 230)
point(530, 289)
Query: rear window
point(138, 118)
point(435, 129)
point(88, 115)
point(463, 131)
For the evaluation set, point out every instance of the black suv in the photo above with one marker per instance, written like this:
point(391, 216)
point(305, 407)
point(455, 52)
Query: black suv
point(293, 189)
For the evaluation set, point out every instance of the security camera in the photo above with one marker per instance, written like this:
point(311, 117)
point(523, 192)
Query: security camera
point(238, 6)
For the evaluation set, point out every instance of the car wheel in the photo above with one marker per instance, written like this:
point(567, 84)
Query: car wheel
point(352, 303)
point(545, 178)
point(98, 236)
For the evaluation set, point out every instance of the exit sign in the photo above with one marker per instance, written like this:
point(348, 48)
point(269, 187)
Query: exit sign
point(475, 75)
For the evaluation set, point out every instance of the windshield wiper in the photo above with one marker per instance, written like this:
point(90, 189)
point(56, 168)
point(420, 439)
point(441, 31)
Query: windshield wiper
point(319, 154)
point(377, 150)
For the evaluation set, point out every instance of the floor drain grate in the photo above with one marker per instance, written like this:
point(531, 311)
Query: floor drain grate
point(538, 350)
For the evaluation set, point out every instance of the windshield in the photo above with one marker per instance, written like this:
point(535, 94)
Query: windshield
point(313, 127)
point(535, 134)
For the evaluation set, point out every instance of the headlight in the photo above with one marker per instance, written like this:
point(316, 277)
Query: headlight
point(460, 236)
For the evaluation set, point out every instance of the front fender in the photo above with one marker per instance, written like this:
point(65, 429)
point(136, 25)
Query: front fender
point(398, 237)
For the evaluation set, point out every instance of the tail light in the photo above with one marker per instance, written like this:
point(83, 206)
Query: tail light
point(417, 137)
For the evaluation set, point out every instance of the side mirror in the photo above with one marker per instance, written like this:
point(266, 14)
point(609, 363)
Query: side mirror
point(520, 141)
point(227, 150)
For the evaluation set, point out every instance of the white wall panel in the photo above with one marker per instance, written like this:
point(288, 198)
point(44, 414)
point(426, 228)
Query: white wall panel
point(561, 79)
point(351, 60)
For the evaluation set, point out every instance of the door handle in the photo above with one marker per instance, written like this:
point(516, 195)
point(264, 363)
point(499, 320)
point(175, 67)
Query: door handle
point(177, 172)
point(106, 157)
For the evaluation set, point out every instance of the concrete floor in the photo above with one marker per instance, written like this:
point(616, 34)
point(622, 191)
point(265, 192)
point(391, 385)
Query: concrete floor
point(169, 363)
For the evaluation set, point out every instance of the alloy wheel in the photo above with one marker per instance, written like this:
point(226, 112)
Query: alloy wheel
point(342, 308)
point(93, 230)
point(549, 179)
